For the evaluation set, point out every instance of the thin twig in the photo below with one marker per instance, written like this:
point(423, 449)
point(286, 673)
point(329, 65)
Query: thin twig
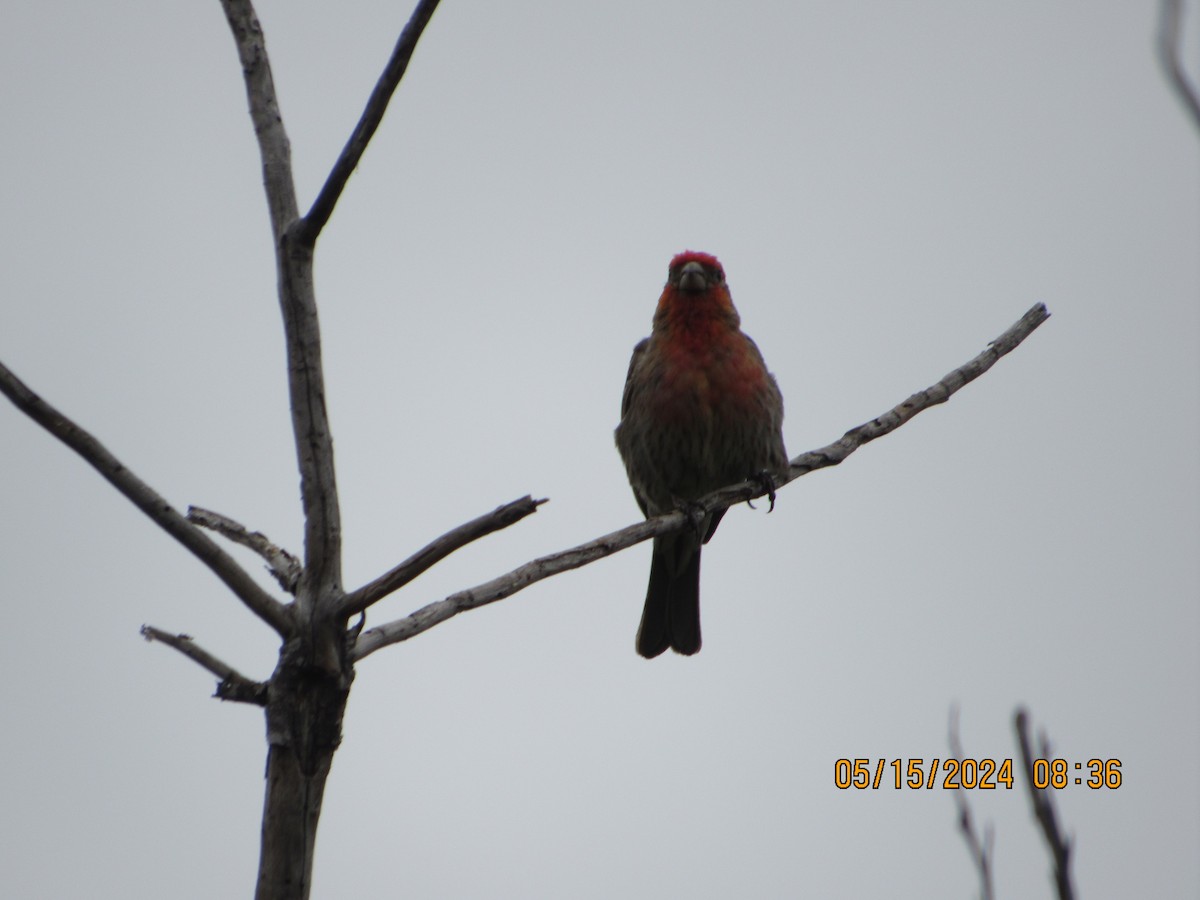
point(284, 567)
point(148, 501)
point(1170, 44)
point(309, 228)
point(233, 685)
point(981, 850)
point(520, 578)
point(428, 556)
point(1043, 808)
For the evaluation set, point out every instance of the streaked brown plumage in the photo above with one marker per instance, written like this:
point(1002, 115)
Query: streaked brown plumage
point(700, 411)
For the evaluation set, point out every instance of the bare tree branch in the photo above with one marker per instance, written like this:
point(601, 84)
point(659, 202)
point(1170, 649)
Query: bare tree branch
point(981, 850)
point(273, 145)
point(148, 501)
point(506, 585)
point(922, 400)
point(233, 686)
point(1170, 43)
point(310, 426)
point(297, 301)
point(520, 578)
point(309, 228)
point(1043, 807)
point(284, 567)
point(430, 555)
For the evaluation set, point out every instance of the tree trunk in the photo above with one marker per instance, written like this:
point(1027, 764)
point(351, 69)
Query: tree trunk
point(305, 706)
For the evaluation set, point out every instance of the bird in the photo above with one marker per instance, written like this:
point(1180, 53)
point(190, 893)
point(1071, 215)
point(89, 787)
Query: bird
point(699, 411)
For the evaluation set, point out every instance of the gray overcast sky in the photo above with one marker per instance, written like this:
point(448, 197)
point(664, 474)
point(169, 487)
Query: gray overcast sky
point(889, 186)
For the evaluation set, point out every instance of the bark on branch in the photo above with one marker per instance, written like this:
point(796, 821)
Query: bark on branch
point(520, 578)
point(284, 567)
point(309, 228)
point(233, 685)
point(148, 501)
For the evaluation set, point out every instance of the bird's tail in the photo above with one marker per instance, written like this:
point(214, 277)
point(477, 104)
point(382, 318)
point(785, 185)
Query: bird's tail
point(671, 616)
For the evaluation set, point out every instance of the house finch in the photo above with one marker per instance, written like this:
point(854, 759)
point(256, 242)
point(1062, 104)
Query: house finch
point(700, 411)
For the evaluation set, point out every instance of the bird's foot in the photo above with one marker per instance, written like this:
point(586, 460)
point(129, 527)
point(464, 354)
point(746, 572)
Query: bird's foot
point(767, 482)
point(695, 513)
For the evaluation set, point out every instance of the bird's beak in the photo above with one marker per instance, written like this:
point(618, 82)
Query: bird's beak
point(692, 278)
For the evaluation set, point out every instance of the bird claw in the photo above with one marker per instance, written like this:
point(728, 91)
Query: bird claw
point(695, 513)
point(767, 482)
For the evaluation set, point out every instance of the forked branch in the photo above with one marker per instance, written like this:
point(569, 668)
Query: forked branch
point(520, 578)
point(148, 501)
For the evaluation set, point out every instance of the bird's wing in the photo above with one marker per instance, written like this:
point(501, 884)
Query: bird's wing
point(627, 396)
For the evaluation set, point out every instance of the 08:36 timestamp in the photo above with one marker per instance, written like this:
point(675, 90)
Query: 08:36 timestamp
point(972, 774)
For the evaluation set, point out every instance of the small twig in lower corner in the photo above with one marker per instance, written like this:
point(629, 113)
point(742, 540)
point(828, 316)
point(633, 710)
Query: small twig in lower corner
point(1043, 807)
